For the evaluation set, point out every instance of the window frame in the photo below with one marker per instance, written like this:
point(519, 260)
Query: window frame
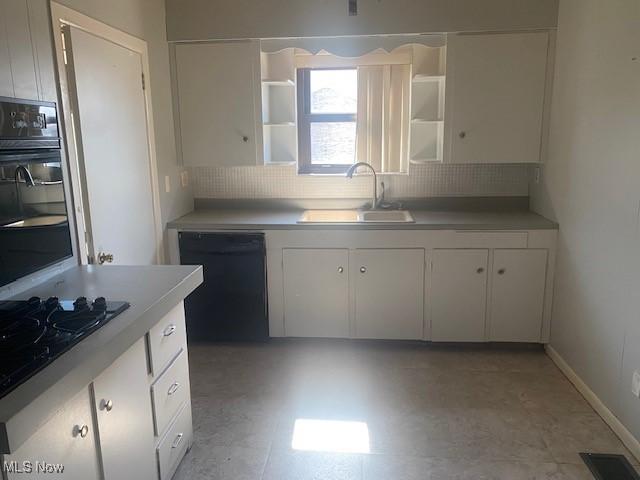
point(305, 118)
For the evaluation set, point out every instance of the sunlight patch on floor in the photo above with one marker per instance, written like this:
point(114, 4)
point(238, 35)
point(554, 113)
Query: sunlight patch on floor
point(330, 436)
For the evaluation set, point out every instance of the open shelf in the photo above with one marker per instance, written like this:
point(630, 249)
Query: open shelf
point(418, 78)
point(280, 145)
point(278, 82)
point(427, 104)
point(426, 141)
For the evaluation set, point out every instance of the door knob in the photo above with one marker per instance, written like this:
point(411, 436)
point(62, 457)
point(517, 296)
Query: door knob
point(363, 269)
point(340, 269)
point(105, 258)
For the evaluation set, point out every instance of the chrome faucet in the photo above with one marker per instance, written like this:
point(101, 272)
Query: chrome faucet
point(28, 180)
point(351, 171)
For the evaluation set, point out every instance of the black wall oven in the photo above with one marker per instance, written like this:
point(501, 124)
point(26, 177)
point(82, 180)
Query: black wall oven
point(34, 227)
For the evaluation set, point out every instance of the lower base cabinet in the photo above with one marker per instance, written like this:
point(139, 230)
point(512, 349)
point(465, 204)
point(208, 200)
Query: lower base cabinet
point(388, 293)
point(316, 292)
point(517, 295)
point(458, 295)
point(67, 440)
point(124, 417)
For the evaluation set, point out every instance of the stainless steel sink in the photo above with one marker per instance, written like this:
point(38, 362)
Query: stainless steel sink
point(386, 216)
point(356, 216)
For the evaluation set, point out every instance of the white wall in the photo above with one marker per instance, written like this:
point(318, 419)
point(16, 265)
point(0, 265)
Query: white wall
point(591, 186)
point(145, 19)
point(217, 19)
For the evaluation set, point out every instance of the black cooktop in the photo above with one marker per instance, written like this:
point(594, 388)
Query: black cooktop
point(34, 332)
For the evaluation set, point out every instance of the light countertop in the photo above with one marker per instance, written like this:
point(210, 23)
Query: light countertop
point(151, 290)
point(286, 219)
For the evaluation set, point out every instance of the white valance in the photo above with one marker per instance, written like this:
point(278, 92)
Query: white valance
point(352, 46)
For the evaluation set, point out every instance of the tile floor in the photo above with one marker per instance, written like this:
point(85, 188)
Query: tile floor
point(430, 413)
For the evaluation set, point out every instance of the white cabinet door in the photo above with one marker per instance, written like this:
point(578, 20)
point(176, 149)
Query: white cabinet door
point(6, 81)
point(218, 96)
point(18, 35)
point(495, 95)
point(389, 293)
point(517, 296)
point(123, 411)
point(68, 439)
point(316, 292)
point(459, 295)
point(40, 23)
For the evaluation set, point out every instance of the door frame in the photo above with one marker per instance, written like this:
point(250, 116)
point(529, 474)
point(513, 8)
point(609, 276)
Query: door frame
point(64, 16)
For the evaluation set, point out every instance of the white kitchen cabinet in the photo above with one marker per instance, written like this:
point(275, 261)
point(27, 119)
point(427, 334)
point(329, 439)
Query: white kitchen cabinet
point(18, 37)
point(316, 292)
point(6, 81)
point(67, 439)
point(123, 413)
point(389, 293)
point(458, 295)
point(217, 87)
point(42, 42)
point(517, 295)
point(495, 96)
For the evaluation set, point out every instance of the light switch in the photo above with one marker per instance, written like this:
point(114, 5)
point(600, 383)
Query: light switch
point(635, 384)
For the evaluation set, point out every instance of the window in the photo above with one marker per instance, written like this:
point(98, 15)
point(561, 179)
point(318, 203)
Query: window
point(327, 114)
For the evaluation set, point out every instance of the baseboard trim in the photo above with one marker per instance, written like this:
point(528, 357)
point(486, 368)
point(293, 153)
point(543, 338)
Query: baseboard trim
point(632, 444)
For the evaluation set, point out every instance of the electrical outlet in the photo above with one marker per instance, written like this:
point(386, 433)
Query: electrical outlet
point(167, 183)
point(635, 384)
point(184, 178)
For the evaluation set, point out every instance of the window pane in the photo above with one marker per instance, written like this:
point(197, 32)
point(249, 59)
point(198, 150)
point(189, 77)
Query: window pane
point(334, 91)
point(333, 142)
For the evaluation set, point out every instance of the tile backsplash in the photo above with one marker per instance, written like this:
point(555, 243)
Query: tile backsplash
point(426, 180)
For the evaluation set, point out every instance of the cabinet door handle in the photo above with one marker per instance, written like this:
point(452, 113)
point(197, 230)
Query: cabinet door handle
point(462, 134)
point(363, 269)
point(480, 270)
point(173, 388)
point(108, 405)
point(340, 269)
point(169, 330)
point(177, 441)
point(502, 271)
point(83, 430)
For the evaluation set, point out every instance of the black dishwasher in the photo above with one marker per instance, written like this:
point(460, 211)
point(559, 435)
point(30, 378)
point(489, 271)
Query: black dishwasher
point(231, 304)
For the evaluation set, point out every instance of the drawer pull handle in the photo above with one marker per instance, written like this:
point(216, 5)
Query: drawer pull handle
point(83, 431)
point(108, 405)
point(480, 270)
point(169, 330)
point(502, 271)
point(177, 441)
point(173, 388)
point(363, 269)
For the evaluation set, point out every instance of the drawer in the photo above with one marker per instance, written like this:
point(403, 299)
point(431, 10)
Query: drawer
point(169, 392)
point(486, 239)
point(166, 339)
point(175, 443)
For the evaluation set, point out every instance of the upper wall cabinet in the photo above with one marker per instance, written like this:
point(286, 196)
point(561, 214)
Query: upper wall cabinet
point(26, 55)
point(495, 97)
point(218, 97)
